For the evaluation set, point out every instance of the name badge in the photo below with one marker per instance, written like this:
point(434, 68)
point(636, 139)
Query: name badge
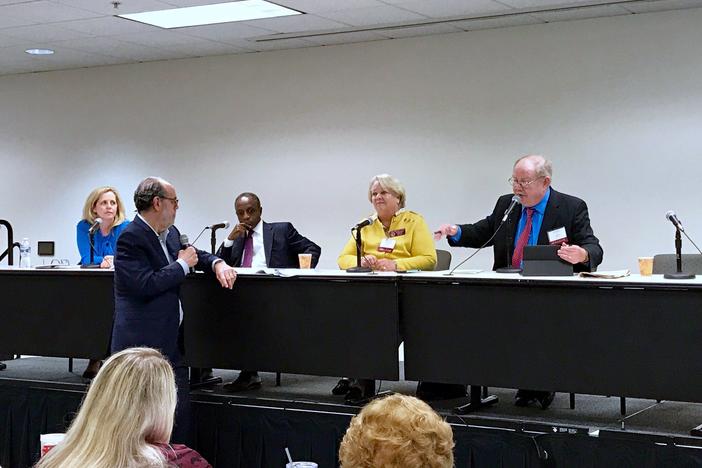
point(387, 245)
point(557, 236)
point(396, 233)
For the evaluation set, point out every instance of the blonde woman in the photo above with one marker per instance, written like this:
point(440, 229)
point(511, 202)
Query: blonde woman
point(397, 239)
point(103, 203)
point(396, 432)
point(126, 418)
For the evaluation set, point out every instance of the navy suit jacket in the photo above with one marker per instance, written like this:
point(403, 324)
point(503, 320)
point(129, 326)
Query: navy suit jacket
point(561, 211)
point(147, 290)
point(281, 243)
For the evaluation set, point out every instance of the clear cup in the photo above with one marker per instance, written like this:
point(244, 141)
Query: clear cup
point(301, 464)
point(646, 266)
point(48, 441)
point(305, 261)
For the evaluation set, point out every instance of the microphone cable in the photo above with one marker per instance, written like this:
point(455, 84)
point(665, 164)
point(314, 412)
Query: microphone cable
point(504, 220)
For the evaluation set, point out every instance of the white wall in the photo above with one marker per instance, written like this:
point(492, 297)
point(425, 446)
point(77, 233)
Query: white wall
point(616, 103)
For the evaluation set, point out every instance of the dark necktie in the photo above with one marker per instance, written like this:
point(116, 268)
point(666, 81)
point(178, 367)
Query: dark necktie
point(522, 241)
point(248, 251)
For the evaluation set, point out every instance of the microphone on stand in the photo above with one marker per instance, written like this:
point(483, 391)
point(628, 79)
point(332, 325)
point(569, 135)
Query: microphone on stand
point(359, 244)
point(213, 234)
point(222, 225)
point(91, 240)
point(515, 201)
point(670, 216)
point(94, 227)
point(185, 243)
point(509, 268)
point(678, 274)
point(366, 222)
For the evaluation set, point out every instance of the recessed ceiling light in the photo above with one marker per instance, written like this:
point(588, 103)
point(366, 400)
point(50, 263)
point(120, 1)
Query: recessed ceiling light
point(211, 14)
point(39, 51)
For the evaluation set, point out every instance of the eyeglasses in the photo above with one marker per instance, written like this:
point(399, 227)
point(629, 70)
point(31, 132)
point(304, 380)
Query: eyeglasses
point(522, 183)
point(173, 199)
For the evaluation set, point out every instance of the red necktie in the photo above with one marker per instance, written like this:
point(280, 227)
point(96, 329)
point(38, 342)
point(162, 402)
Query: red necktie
point(248, 251)
point(522, 241)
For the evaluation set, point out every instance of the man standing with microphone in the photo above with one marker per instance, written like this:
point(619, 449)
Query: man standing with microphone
point(150, 265)
point(544, 217)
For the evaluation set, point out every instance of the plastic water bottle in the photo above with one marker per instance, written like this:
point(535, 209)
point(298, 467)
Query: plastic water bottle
point(25, 254)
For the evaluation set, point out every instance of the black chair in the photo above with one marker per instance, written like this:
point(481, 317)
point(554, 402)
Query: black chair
point(443, 260)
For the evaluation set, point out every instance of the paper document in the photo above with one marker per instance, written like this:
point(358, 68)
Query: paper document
point(605, 274)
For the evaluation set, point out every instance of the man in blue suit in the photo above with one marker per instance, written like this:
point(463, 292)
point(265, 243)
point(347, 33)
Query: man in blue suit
point(253, 243)
point(150, 266)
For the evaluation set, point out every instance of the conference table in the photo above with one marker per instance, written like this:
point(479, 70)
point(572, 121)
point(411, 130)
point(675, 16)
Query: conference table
point(632, 336)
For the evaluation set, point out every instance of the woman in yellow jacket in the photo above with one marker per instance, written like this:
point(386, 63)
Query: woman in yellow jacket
point(397, 239)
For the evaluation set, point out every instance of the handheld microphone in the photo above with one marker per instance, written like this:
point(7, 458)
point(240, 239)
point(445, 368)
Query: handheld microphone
point(185, 243)
point(95, 226)
point(515, 200)
point(670, 216)
point(366, 222)
point(222, 225)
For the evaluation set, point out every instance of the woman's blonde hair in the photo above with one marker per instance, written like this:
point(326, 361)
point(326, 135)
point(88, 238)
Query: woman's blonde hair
point(389, 183)
point(89, 206)
point(129, 407)
point(396, 432)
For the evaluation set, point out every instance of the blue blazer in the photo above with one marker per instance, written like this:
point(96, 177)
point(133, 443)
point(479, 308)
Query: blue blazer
point(103, 245)
point(147, 290)
point(281, 243)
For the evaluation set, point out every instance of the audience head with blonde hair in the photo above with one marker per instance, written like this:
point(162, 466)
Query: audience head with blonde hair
point(396, 432)
point(128, 409)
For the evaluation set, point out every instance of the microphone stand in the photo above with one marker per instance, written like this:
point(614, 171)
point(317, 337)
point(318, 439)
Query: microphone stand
point(91, 239)
point(358, 268)
point(678, 260)
point(509, 268)
point(213, 240)
point(10, 243)
point(10, 261)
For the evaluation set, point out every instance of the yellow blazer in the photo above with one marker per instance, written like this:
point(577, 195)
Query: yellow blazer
point(414, 244)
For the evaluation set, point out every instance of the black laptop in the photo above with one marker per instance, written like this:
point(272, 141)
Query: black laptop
point(543, 260)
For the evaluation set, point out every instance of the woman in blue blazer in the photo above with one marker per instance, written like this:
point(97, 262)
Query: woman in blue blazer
point(103, 203)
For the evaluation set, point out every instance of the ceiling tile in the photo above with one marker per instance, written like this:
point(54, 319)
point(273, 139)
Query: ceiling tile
point(322, 6)
point(44, 11)
point(105, 7)
point(104, 45)
point(205, 48)
point(161, 39)
point(225, 32)
point(10, 22)
point(449, 8)
point(41, 33)
point(296, 23)
point(107, 26)
point(385, 14)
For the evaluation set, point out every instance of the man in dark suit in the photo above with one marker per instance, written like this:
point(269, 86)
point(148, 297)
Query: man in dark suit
point(545, 217)
point(254, 243)
point(150, 266)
